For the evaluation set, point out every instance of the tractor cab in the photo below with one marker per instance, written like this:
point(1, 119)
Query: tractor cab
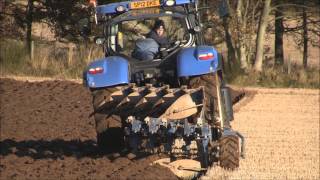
point(127, 26)
point(128, 34)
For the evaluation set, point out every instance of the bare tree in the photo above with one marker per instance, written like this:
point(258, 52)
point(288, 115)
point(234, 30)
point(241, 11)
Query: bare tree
point(305, 38)
point(29, 20)
point(278, 31)
point(307, 30)
point(261, 34)
point(247, 12)
point(242, 48)
point(238, 29)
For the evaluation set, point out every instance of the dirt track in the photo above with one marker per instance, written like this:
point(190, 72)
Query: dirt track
point(46, 134)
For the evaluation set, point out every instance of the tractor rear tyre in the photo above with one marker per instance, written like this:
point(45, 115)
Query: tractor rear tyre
point(208, 82)
point(210, 109)
point(229, 152)
point(110, 136)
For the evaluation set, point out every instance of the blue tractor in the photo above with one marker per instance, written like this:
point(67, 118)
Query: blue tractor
point(153, 98)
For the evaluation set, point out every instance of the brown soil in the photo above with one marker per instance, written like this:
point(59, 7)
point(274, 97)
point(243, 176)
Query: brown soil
point(46, 134)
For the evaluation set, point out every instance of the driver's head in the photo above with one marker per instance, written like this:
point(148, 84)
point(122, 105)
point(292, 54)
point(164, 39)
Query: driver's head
point(159, 27)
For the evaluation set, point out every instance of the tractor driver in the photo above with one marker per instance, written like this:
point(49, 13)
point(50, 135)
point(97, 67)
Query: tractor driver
point(148, 49)
point(158, 34)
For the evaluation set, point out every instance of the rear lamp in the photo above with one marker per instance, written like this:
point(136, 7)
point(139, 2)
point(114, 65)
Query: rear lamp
point(170, 2)
point(206, 56)
point(96, 70)
point(120, 8)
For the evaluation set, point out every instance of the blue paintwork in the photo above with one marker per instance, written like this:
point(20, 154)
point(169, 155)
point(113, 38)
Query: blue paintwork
point(115, 72)
point(111, 8)
point(181, 2)
point(188, 63)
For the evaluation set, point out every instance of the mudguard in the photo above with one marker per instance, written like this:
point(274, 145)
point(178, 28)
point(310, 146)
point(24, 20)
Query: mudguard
point(115, 71)
point(189, 63)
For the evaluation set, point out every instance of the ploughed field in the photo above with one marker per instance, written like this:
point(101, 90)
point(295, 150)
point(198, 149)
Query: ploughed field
point(281, 127)
point(46, 133)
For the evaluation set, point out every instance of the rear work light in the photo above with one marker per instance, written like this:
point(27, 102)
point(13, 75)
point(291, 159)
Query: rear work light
point(120, 8)
point(170, 2)
point(206, 56)
point(97, 70)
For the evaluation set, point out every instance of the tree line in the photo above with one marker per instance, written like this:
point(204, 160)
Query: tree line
point(244, 28)
point(241, 25)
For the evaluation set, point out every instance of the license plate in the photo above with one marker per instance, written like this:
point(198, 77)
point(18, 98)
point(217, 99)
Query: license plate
point(144, 4)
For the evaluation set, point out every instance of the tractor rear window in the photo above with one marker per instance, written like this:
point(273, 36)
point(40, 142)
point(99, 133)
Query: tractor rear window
point(125, 34)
